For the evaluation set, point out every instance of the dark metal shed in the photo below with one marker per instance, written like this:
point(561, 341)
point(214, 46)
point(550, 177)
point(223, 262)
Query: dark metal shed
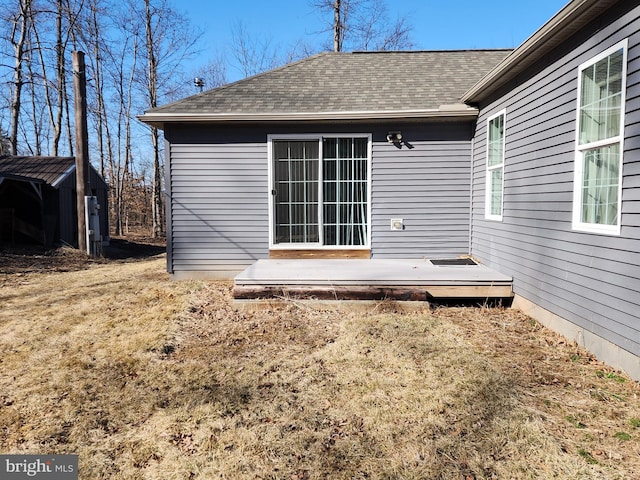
point(38, 200)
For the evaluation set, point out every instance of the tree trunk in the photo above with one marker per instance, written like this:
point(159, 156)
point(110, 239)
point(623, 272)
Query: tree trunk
point(60, 74)
point(337, 26)
point(93, 32)
point(156, 200)
point(102, 122)
point(36, 148)
point(20, 27)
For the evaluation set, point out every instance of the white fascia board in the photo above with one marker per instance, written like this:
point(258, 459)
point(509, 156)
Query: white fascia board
point(456, 110)
point(535, 41)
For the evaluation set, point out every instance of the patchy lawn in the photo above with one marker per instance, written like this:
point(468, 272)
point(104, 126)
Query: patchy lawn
point(148, 378)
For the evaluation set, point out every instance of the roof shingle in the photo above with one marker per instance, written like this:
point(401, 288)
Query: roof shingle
point(349, 82)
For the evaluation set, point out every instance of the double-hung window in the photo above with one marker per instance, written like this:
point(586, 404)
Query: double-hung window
point(599, 143)
point(320, 191)
point(495, 166)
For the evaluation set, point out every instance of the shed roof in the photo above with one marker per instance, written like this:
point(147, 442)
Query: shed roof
point(50, 170)
point(354, 85)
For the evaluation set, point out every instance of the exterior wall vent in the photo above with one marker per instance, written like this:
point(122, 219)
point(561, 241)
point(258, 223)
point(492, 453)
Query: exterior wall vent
point(397, 224)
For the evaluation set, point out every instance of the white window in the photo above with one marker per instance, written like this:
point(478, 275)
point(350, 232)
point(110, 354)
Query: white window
point(320, 191)
point(495, 166)
point(599, 142)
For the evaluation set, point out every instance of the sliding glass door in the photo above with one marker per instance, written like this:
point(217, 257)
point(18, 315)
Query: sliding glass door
point(320, 191)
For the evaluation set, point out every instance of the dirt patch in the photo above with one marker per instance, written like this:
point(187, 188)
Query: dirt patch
point(136, 247)
point(34, 259)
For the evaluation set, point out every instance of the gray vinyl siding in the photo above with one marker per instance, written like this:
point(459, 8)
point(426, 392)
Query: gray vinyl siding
point(219, 194)
point(428, 187)
point(590, 280)
point(218, 206)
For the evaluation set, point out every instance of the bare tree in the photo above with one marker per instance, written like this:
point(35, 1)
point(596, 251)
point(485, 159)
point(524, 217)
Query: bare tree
point(39, 38)
point(169, 40)
point(20, 26)
point(136, 52)
point(364, 25)
point(122, 64)
point(55, 112)
point(98, 53)
point(152, 62)
point(37, 109)
point(338, 25)
point(5, 144)
point(253, 55)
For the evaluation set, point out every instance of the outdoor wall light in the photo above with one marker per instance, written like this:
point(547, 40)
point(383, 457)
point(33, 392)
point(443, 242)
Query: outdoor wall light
point(394, 137)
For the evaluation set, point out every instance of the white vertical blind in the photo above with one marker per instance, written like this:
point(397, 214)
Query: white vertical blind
point(345, 162)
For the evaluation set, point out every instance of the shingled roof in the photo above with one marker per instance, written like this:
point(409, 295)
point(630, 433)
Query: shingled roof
point(343, 86)
point(50, 170)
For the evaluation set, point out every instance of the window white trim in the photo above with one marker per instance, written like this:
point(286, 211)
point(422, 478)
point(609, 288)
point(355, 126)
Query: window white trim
point(582, 149)
point(316, 245)
point(489, 169)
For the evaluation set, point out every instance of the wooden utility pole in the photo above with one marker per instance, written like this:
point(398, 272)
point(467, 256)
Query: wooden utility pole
point(82, 143)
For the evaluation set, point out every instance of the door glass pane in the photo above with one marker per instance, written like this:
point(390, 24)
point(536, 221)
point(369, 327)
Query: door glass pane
point(345, 191)
point(295, 170)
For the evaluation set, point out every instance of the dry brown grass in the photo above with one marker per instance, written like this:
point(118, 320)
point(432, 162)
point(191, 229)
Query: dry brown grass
point(147, 378)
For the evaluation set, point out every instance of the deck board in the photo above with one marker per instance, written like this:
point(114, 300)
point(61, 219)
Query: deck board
point(368, 279)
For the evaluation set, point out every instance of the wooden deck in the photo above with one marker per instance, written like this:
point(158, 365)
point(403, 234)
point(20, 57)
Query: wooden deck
point(368, 279)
